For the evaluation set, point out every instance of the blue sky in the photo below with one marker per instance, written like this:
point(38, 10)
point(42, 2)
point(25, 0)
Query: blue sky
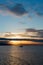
point(11, 21)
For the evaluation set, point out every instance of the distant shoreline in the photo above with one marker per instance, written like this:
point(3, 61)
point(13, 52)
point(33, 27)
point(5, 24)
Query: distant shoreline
point(21, 39)
point(24, 45)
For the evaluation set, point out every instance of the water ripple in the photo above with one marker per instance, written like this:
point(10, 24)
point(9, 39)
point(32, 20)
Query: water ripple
point(10, 60)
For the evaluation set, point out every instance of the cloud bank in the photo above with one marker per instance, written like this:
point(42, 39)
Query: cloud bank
point(32, 33)
point(35, 32)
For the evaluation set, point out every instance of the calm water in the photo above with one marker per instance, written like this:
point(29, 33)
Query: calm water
point(26, 55)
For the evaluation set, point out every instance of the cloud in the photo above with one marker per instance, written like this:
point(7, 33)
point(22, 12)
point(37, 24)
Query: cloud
point(3, 9)
point(9, 35)
point(30, 30)
point(36, 8)
point(22, 22)
point(18, 9)
point(39, 10)
point(35, 32)
point(39, 13)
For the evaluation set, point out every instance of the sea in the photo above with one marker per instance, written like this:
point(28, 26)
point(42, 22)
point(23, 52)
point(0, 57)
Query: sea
point(18, 55)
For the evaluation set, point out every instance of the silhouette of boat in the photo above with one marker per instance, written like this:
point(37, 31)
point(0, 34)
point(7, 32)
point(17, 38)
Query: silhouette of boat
point(20, 46)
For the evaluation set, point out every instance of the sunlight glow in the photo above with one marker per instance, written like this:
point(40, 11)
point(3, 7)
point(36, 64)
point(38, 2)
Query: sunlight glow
point(23, 42)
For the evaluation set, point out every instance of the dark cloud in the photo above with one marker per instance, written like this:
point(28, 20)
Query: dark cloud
point(39, 13)
point(19, 9)
point(31, 30)
point(38, 33)
point(35, 7)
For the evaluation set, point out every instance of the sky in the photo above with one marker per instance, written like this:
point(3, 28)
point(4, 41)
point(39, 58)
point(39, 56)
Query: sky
point(19, 15)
